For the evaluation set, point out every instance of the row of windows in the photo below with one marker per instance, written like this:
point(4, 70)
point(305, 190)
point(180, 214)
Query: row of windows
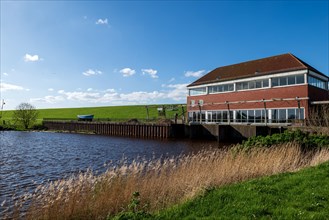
point(221, 88)
point(288, 80)
point(258, 84)
point(317, 82)
point(198, 91)
point(249, 116)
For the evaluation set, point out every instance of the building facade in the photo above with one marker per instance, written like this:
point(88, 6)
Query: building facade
point(278, 89)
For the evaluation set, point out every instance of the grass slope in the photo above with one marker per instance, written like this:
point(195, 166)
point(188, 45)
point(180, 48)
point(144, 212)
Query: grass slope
point(301, 195)
point(112, 112)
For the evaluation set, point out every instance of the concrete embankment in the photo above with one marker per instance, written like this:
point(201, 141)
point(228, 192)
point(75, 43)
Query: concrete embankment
point(194, 131)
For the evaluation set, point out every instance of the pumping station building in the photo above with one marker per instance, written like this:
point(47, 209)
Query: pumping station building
point(274, 90)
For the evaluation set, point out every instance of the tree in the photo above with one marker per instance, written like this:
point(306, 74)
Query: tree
point(26, 114)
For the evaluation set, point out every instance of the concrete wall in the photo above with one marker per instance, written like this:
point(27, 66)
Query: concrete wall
point(229, 132)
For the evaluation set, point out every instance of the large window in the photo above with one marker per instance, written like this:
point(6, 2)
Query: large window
point(251, 116)
point(288, 80)
point(198, 91)
point(221, 88)
point(220, 116)
point(316, 82)
point(255, 84)
point(287, 115)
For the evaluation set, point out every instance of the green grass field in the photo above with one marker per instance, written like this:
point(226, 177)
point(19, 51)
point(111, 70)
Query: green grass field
point(111, 112)
point(301, 195)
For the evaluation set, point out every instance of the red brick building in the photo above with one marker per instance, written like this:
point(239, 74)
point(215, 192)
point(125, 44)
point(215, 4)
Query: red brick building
point(278, 89)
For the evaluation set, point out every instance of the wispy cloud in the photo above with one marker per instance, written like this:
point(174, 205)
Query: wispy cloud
point(50, 89)
point(31, 58)
point(171, 92)
point(151, 72)
point(126, 72)
point(195, 73)
point(102, 21)
point(11, 87)
point(5, 74)
point(92, 72)
point(48, 99)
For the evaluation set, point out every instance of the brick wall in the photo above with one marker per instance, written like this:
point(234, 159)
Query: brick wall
point(272, 93)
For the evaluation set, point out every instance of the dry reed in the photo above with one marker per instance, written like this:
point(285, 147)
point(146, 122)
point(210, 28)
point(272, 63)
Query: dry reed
point(161, 183)
point(318, 120)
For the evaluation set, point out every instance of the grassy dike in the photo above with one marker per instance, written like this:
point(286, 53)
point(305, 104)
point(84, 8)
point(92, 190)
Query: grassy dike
point(109, 112)
point(300, 195)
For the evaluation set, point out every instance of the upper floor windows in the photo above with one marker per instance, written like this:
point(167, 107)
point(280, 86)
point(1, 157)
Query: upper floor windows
point(255, 84)
point(288, 80)
point(221, 88)
point(198, 91)
point(316, 82)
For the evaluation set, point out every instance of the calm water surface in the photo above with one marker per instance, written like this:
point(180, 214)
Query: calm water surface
point(31, 158)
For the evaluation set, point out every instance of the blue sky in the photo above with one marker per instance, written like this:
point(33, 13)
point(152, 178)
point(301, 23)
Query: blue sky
point(100, 53)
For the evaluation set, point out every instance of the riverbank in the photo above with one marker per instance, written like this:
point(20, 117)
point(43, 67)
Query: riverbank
point(300, 195)
point(153, 185)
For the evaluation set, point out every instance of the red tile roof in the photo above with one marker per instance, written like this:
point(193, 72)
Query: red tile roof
point(265, 66)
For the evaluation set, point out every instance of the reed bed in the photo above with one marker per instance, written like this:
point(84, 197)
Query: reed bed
point(160, 183)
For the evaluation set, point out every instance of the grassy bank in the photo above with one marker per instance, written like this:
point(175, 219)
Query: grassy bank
point(157, 185)
point(301, 195)
point(110, 112)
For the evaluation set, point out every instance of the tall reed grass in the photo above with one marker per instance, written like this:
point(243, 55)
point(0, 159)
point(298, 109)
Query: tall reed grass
point(161, 183)
point(318, 119)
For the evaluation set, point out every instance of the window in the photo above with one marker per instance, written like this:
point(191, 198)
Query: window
point(287, 80)
point(198, 91)
point(258, 116)
point(244, 116)
point(252, 84)
point(275, 82)
point(258, 84)
point(251, 116)
point(283, 81)
point(221, 88)
point(317, 82)
point(291, 80)
point(282, 115)
point(265, 83)
point(300, 79)
point(224, 116)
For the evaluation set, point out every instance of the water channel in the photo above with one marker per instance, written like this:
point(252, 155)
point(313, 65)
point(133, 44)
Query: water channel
point(28, 159)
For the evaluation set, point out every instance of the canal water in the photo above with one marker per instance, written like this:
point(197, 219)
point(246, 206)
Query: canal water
point(28, 159)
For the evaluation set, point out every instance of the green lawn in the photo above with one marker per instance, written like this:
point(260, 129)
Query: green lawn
point(301, 195)
point(111, 112)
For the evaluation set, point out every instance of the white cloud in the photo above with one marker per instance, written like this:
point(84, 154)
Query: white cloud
point(102, 21)
point(151, 72)
point(91, 72)
point(90, 89)
point(195, 74)
point(11, 87)
point(50, 89)
point(5, 74)
point(126, 72)
point(31, 58)
point(171, 92)
point(48, 99)
point(178, 92)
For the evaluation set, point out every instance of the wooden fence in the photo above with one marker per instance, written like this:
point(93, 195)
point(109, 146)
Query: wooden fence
point(115, 129)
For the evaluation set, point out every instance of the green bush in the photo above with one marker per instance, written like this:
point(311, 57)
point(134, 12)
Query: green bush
point(304, 139)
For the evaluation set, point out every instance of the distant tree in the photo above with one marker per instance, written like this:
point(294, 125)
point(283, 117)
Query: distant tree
point(25, 114)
